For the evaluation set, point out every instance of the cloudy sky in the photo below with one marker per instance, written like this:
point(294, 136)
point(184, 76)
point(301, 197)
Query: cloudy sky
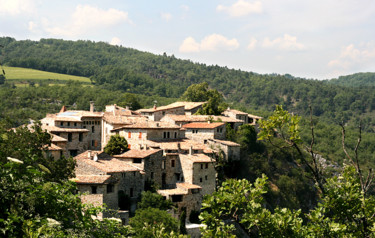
point(311, 38)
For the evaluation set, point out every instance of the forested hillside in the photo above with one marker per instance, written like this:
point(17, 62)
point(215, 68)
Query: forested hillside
point(130, 70)
point(355, 80)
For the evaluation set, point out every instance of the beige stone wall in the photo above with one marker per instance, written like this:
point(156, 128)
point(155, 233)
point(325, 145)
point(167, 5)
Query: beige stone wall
point(75, 144)
point(94, 137)
point(153, 167)
point(187, 169)
point(230, 152)
point(130, 181)
point(205, 177)
point(173, 174)
point(205, 134)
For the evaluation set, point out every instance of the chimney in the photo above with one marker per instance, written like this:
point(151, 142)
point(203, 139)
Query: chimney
point(155, 106)
point(91, 106)
point(63, 109)
point(191, 150)
point(127, 107)
point(95, 157)
point(89, 154)
point(178, 147)
point(209, 122)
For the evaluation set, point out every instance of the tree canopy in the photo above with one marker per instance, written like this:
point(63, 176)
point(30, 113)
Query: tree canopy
point(116, 145)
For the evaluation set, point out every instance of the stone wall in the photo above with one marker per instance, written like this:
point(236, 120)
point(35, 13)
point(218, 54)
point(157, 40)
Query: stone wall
point(231, 152)
point(204, 175)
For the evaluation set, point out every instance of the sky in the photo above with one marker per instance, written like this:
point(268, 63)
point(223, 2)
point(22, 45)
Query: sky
point(317, 39)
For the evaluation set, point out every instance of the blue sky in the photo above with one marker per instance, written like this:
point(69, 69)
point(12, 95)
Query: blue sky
point(310, 38)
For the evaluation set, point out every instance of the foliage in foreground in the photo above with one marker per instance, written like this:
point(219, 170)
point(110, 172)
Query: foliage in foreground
point(344, 211)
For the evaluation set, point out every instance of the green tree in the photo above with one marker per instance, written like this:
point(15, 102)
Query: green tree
point(155, 200)
point(116, 145)
point(150, 218)
point(201, 93)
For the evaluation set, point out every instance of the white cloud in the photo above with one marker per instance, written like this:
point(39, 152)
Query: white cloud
point(213, 42)
point(16, 7)
point(87, 18)
point(166, 16)
point(241, 8)
point(32, 26)
point(352, 57)
point(252, 44)
point(287, 42)
point(115, 41)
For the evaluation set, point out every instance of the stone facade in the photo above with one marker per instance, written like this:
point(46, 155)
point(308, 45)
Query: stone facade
point(201, 132)
point(230, 150)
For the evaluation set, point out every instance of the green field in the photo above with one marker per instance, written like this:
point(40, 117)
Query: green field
point(22, 74)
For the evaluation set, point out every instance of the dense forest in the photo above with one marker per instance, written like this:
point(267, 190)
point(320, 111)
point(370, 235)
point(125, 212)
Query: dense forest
point(129, 70)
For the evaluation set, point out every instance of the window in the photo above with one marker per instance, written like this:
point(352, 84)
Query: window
point(131, 192)
point(166, 134)
point(94, 190)
point(75, 123)
point(140, 135)
point(93, 129)
point(172, 163)
point(70, 137)
point(92, 142)
point(73, 152)
point(200, 180)
point(176, 198)
point(195, 131)
point(80, 136)
point(123, 175)
point(175, 135)
point(205, 177)
point(110, 188)
point(163, 164)
point(152, 175)
point(201, 166)
point(62, 123)
point(137, 160)
point(206, 166)
point(68, 123)
point(129, 134)
point(195, 190)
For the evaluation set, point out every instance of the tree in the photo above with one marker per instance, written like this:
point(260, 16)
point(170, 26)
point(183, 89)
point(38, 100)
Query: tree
point(344, 211)
point(33, 202)
point(116, 145)
point(201, 93)
point(151, 218)
point(284, 125)
point(155, 200)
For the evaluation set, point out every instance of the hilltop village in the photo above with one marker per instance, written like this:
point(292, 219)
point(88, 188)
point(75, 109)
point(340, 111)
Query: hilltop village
point(169, 148)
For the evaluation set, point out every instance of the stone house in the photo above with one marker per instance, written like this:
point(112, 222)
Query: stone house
point(181, 120)
point(103, 179)
point(81, 129)
point(243, 116)
point(202, 131)
point(150, 161)
point(156, 113)
point(199, 169)
point(189, 107)
point(138, 133)
point(230, 150)
point(184, 196)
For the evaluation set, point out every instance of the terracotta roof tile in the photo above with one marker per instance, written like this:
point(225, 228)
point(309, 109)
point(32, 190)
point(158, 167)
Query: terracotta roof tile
point(137, 153)
point(197, 158)
point(187, 186)
point(105, 162)
point(202, 125)
point(199, 118)
point(54, 147)
point(92, 179)
point(149, 125)
point(161, 108)
point(175, 191)
point(236, 111)
point(187, 105)
point(226, 142)
point(56, 138)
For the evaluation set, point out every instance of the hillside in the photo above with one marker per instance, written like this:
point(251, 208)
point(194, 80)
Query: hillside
point(130, 70)
point(23, 75)
point(355, 80)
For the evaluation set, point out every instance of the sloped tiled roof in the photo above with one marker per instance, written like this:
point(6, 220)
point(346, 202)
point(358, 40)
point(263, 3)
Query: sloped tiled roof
point(197, 158)
point(202, 125)
point(137, 154)
point(92, 179)
point(56, 138)
point(185, 144)
point(187, 105)
point(54, 147)
point(226, 142)
point(200, 118)
point(149, 125)
point(187, 186)
point(236, 111)
point(60, 129)
point(105, 162)
point(161, 108)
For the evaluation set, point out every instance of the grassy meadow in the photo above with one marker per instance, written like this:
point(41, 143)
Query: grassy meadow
point(22, 75)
